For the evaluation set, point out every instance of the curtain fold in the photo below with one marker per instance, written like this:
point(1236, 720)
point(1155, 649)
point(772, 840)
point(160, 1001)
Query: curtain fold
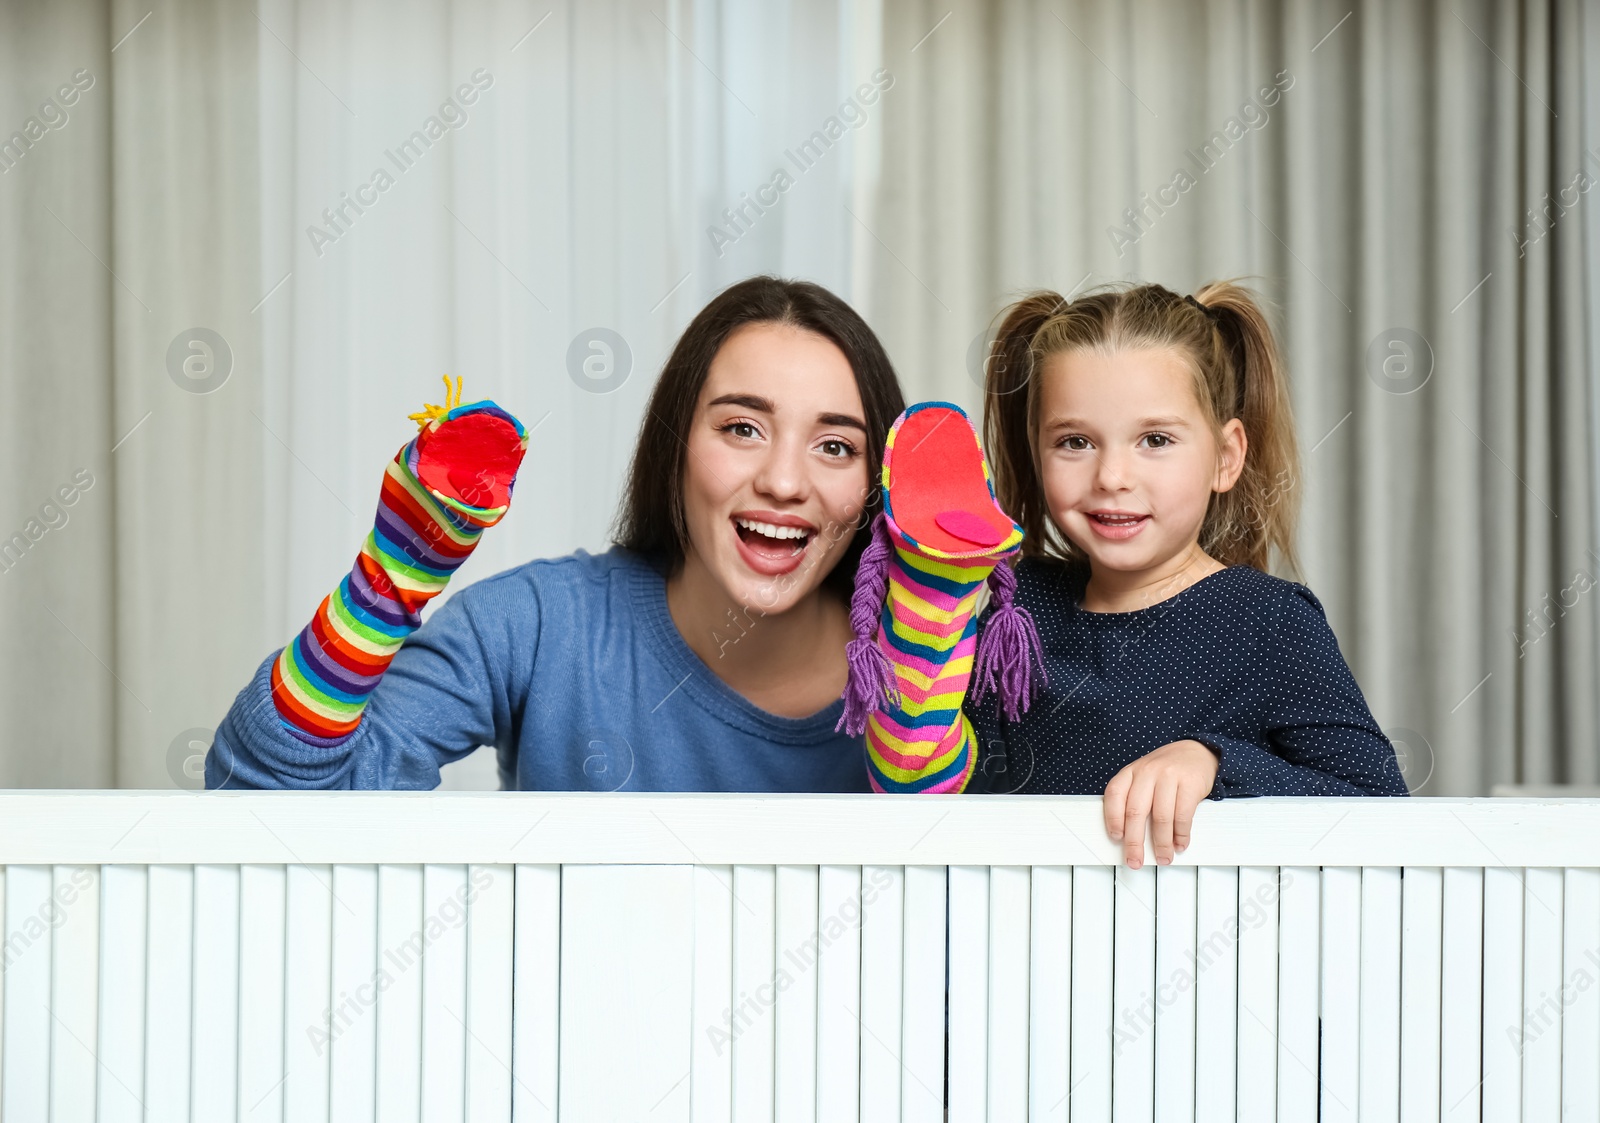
point(263, 234)
point(1390, 177)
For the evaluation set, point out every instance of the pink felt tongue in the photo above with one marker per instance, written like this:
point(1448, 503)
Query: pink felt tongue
point(968, 527)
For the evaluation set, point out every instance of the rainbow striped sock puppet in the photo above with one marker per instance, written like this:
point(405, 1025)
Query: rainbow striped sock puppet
point(450, 482)
point(940, 536)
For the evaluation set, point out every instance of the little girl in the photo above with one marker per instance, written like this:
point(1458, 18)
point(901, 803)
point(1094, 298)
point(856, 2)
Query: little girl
point(1143, 443)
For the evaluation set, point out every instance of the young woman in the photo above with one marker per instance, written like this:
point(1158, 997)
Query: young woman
point(704, 652)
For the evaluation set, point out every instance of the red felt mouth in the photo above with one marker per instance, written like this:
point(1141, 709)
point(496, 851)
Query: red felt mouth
point(937, 486)
point(472, 459)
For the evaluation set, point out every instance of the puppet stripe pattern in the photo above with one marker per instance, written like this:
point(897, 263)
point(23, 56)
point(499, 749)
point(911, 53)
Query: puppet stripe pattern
point(929, 631)
point(321, 681)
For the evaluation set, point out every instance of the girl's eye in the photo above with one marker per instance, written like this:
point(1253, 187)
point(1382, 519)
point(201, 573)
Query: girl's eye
point(837, 449)
point(1157, 440)
point(1075, 443)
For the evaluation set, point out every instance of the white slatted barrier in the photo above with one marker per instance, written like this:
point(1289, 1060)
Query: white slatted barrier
point(349, 957)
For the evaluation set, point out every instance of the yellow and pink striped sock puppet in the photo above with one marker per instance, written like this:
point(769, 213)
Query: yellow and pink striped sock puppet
point(440, 492)
point(940, 537)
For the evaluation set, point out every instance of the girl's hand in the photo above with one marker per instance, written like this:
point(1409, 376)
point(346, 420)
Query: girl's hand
point(1164, 786)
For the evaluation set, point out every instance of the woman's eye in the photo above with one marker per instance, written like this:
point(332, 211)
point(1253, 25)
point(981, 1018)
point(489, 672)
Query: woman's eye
point(837, 449)
point(742, 429)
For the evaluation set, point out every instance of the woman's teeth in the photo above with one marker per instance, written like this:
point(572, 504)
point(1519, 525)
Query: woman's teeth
point(771, 531)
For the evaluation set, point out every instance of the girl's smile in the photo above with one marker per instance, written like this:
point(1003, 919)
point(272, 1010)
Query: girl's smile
point(1116, 525)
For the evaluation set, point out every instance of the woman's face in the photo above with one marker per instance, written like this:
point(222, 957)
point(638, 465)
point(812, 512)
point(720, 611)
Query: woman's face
point(776, 473)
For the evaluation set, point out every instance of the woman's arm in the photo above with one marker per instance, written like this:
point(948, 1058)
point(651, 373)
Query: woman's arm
point(440, 492)
point(456, 684)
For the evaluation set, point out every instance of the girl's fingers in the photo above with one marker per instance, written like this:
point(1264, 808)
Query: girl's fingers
point(1163, 809)
point(1139, 798)
point(1183, 819)
point(1115, 801)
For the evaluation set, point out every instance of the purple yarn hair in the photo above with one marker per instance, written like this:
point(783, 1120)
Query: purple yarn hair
point(871, 675)
point(1009, 639)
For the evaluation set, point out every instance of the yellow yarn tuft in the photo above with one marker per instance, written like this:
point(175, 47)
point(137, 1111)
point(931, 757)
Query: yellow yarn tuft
point(431, 413)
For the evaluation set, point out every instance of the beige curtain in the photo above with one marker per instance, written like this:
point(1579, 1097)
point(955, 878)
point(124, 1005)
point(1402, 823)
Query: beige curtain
point(200, 395)
point(131, 503)
point(1439, 334)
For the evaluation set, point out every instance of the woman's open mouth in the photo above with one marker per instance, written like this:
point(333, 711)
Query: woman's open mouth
point(772, 547)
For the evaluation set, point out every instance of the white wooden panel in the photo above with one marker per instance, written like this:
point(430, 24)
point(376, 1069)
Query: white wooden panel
point(1299, 971)
point(1009, 900)
point(491, 908)
point(1380, 994)
point(537, 990)
point(839, 994)
point(799, 943)
point(1502, 994)
point(398, 1017)
point(1422, 941)
point(30, 909)
point(1050, 995)
point(755, 992)
point(262, 904)
point(1176, 901)
point(969, 993)
point(1580, 975)
point(662, 828)
point(308, 1022)
point(1258, 994)
point(1341, 994)
point(714, 1018)
point(1093, 902)
point(1133, 1004)
point(922, 1052)
point(882, 983)
point(627, 992)
point(168, 996)
point(7, 961)
point(74, 998)
point(215, 1050)
point(1461, 997)
point(120, 1087)
point(1542, 994)
point(353, 994)
point(1216, 1008)
point(444, 993)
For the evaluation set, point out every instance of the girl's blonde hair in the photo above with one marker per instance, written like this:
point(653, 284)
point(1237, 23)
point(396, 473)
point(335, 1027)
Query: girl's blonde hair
point(1223, 335)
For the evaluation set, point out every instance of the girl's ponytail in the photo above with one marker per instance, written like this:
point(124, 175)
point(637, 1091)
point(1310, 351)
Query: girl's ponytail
point(1257, 516)
point(1010, 395)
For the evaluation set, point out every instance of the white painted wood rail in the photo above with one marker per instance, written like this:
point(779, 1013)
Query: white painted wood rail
point(303, 957)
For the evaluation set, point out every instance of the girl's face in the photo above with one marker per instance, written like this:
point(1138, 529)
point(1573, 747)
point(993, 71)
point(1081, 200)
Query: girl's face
point(776, 475)
point(1128, 459)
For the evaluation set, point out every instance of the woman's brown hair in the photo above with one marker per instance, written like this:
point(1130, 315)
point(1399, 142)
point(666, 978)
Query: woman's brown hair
point(1223, 335)
point(651, 519)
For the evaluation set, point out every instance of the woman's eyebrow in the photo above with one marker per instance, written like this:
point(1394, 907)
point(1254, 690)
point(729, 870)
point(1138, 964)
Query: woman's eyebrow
point(748, 401)
point(764, 405)
point(841, 420)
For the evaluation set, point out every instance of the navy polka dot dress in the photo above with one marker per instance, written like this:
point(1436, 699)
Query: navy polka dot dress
point(1241, 661)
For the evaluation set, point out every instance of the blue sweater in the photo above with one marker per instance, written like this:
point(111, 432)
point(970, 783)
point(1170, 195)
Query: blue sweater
point(574, 671)
point(1241, 661)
